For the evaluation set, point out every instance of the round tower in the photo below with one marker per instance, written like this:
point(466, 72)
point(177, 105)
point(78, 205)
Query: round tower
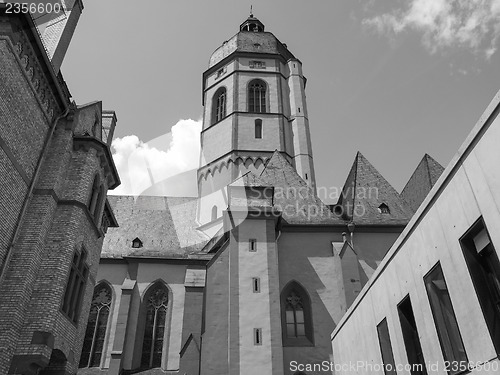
point(254, 103)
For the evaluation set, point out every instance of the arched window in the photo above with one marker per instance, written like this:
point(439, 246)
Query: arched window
point(257, 96)
point(219, 105)
point(93, 344)
point(214, 213)
point(156, 303)
point(296, 317)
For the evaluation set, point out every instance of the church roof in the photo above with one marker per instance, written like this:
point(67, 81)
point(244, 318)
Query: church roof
point(369, 199)
point(250, 41)
point(165, 226)
point(292, 195)
point(421, 181)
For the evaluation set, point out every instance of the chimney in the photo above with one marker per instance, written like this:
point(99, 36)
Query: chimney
point(59, 31)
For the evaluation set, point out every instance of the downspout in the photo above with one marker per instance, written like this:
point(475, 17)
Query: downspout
point(29, 195)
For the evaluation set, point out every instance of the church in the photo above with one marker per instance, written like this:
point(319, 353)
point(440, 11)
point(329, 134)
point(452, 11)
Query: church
point(252, 274)
point(256, 271)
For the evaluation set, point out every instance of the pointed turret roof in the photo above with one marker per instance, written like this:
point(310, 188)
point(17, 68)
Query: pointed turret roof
point(369, 199)
point(292, 195)
point(421, 181)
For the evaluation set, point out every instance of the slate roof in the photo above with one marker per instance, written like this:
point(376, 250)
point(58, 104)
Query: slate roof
point(292, 196)
point(165, 225)
point(421, 181)
point(365, 190)
point(249, 41)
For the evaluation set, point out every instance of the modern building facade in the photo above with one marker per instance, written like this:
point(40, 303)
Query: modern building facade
point(432, 304)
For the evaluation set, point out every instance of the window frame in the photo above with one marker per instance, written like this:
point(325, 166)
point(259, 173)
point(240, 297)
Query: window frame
point(92, 353)
point(308, 338)
point(75, 285)
point(219, 106)
point(258, 129)
point(257, 103)
point(386, 351)
point(440, 318)
point(475, 262)
point(159, 284)
point(413, 341)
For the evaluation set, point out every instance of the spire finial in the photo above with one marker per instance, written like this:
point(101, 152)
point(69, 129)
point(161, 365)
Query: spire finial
point(251, 11)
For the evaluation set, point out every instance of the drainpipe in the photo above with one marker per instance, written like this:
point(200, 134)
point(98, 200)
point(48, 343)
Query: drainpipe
point(29, 195)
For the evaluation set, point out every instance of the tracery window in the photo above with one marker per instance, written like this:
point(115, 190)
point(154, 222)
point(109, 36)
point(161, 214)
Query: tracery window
point(93, 344)
point(219, 105)
point(257, 96)
point(295, 324)
point(296, 316)
point(156, 302)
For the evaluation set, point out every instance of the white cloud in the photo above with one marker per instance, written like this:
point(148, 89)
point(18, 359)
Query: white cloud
point(473, 24)
point(144, 164)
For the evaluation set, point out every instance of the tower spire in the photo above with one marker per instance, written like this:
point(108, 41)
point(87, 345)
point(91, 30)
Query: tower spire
point(251, 11)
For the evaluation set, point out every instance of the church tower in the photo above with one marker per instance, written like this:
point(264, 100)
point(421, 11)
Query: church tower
point(254, 103)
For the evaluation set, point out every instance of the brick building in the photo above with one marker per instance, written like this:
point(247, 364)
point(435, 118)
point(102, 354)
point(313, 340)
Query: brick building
point(56, 169)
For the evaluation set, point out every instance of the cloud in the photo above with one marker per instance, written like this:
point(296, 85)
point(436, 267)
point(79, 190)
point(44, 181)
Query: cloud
point(472, 24)
point(142, 165)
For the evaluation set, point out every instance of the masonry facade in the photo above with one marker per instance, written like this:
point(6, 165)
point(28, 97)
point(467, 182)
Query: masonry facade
point(56, 169)
point(256, 271)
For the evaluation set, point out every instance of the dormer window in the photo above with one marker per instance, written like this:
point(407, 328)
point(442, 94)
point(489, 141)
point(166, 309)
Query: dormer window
point(136, 243)
point(384, 209)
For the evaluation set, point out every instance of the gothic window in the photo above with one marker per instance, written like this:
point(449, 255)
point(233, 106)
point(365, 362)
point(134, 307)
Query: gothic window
point(75, 287)
point(214, 213)
point(219, 105)
point(257, 96)
point(93, 344)
point(258, 128)
point(296, 316)
point(156, 304)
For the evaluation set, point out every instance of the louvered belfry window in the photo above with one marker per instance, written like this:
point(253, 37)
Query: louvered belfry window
point(154, 331)
point(93, 344)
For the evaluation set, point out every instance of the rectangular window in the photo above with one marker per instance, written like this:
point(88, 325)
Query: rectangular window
point(252, 244)
point(258, 129)
point(256, 284)
point(76, 286)
point(484, 268)
point(257, 336)
point(410, 337)
point(386, 348)
point(445, 320)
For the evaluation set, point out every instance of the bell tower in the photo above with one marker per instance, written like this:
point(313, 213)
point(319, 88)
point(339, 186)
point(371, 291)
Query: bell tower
point(254, 103)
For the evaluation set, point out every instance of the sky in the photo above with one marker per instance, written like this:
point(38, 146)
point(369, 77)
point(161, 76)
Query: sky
point(391, 79)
